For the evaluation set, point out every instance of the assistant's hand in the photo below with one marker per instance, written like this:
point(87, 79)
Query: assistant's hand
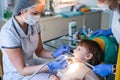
point(103, 69)
point(58, 64)
point(102, 32)
point(61, 50)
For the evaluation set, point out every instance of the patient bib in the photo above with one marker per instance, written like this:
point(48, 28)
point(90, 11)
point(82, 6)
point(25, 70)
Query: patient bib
point(75, 71)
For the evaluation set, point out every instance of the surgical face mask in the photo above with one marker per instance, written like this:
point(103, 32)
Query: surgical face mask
point(104, 6)
point(31, 20)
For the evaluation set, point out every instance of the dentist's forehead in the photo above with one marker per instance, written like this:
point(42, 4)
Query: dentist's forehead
point(39, 7)
point(104, 1)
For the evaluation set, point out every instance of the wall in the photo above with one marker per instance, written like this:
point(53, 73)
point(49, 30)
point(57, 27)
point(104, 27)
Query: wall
point(91, 3)
point(2, 2)
point(105, 20)
point(52, 27)
point(0, 10)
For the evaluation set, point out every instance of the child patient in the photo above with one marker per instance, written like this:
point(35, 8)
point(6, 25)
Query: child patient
point(87, 51)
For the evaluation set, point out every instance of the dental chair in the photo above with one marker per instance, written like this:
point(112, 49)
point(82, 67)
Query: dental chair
point(110, 48)
point(1, 70)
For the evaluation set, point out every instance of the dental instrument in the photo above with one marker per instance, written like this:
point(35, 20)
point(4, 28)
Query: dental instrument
point(40, 68)
point(91, 66)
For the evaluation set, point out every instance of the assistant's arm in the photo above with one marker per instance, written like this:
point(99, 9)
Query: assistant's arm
point(102, 32)
point(105, 69)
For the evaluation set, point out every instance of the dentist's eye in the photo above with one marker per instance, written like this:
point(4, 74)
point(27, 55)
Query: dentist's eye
point(35, 13)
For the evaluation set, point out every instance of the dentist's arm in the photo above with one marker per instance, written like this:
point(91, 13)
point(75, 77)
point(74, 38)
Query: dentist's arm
point(41, 52)
point(16, 57)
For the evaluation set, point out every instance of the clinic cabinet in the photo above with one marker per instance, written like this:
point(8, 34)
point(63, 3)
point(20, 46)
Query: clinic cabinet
point(55, 26)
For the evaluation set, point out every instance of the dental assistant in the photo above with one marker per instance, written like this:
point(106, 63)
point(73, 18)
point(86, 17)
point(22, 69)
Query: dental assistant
point(20, 38)
point(106, 69)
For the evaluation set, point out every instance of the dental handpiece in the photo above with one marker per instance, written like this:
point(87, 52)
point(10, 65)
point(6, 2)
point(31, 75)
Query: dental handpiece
point(89, 65)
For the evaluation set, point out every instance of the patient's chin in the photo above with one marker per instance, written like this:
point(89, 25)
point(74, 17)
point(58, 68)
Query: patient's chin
point(77, 60)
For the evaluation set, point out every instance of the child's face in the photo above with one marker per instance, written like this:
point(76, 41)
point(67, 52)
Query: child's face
point(80, 53)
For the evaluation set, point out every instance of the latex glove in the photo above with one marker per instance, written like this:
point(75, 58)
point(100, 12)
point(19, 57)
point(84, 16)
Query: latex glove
point(61, 50)
point(58, 64)
point(102, 32)
point(103, 69)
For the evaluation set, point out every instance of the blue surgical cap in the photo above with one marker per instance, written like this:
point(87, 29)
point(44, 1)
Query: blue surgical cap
point(23, 4)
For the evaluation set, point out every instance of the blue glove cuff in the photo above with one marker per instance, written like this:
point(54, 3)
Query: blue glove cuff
point(54, 54)
point(51, 66)
point(61, 50)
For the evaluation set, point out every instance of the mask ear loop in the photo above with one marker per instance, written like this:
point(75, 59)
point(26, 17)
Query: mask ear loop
point(119, 7)
point(110, 4)
point(118, 2)
point(115, 4)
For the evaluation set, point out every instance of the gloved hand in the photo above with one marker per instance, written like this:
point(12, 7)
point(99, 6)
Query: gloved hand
point(60, 63)
point(61, 50)
point(103, 69)
point(61, 57)
point(102, 32)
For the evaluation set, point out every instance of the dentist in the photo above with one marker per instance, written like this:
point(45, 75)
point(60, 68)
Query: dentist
point(20, 38)
point(106, 69)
